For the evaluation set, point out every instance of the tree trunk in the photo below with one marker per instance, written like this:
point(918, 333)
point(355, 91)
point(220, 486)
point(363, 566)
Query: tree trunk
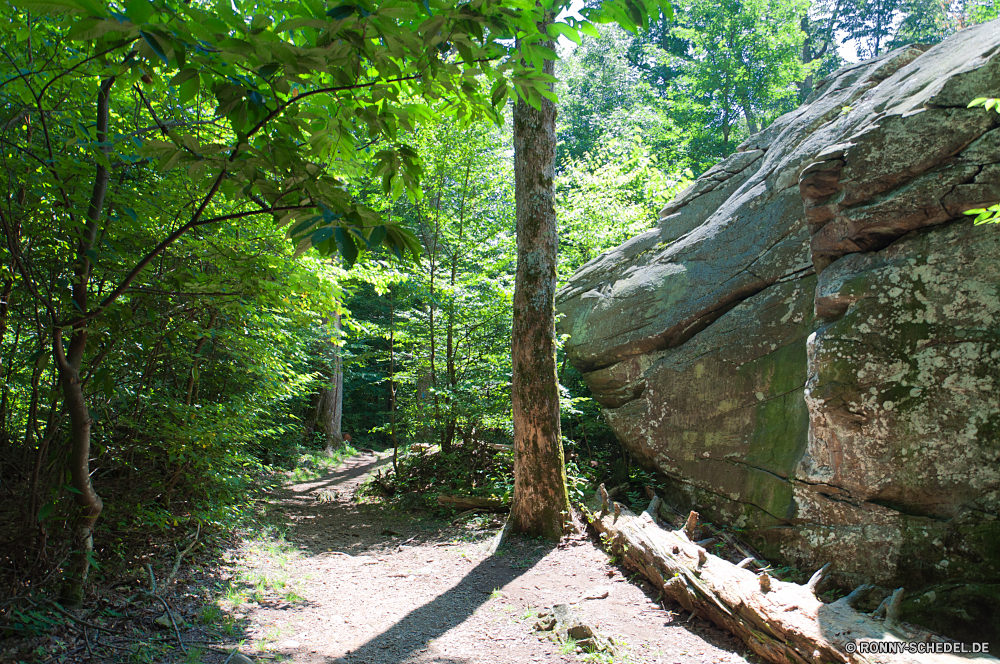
point(331, 414)
point(540, 504)
point(89, 504)
point(69, 363)
point(781, 622)
point(752, 126)
point(451, 349)
point(432, 309)
point(392, 382)
point(193, 374)
point(326, 413)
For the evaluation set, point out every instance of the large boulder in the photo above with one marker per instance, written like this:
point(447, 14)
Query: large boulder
point(808, 342)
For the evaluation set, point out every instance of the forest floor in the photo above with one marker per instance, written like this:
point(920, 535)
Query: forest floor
point(326, 575)
point(358, 581)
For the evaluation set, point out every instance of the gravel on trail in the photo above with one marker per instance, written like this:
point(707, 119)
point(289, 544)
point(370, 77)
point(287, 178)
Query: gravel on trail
point(379, 586)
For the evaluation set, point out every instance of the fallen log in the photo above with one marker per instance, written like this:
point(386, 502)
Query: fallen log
point(783, 623)
point(464, 503)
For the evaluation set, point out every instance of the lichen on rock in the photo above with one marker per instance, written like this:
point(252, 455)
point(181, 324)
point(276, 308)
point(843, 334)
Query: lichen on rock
point(808, 344)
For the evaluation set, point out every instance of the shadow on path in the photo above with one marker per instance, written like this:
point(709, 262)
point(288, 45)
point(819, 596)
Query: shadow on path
point(359, 529)
point(409, 636)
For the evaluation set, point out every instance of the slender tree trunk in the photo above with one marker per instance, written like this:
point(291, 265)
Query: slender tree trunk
point(540, 504)
point(326, 415)
point(332, 415)
point(69, 361)
point(193, 374)
point(29, 435)
point(449, 435)
point(89, 504)
point(748, 114)
point(8, 372)
point(445, 447)
point(8, 286)
point(51, 431)
point(392, 382)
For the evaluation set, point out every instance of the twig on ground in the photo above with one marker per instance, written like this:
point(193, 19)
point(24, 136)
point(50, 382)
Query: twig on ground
point(180, 556)
point(173, 622)
point(81, 621)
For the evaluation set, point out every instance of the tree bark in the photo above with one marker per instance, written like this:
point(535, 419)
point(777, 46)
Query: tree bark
point(69, 362)
point(432, 332)
point(332, 411)
point(781, 622)
point(326, 414)
point(540, 505)
point(451, 350)
point(748, 114)
point(392, 382)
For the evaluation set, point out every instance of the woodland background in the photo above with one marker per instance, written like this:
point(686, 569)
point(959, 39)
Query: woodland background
point(207, 373)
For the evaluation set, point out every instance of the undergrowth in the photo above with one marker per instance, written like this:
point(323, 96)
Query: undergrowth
point(424, 471)
point(137, 536)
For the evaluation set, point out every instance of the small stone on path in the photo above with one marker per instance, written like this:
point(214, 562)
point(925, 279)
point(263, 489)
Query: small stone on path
point(597, 592)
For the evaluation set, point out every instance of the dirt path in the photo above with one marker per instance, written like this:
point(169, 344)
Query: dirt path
point(376, 586)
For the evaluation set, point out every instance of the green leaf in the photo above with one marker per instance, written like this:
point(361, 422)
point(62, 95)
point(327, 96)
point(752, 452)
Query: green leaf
point(341, 12)
point(189, 90)
point(139, 11)
point(52, 6)
point(321, 235)
point(499, 92)
point(556, 30)
point(546, 52)
point(302, 226)
point(85, 29)
point(154, 44)
point(183, 75)
point(170, 163)
point(589, 29)
point(376, 236)
point(269, 70)
point(45, 511)
point(346, 246)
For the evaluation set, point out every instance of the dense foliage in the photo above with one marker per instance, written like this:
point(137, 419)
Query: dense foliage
point(169, 166)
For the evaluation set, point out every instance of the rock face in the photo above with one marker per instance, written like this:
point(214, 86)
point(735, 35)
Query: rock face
point(808, 343)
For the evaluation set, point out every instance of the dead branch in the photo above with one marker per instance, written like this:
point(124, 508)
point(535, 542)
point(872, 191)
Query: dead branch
point(783, 623)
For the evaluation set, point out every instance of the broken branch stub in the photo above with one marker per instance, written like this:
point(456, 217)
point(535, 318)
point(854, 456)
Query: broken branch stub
point(690, 525)
point(816, 578)
point(787, 624)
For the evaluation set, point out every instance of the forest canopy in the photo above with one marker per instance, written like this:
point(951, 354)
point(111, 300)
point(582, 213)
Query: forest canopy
point(215, 211)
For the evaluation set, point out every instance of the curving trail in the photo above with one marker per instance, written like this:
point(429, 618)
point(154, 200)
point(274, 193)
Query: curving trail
point(376, 586)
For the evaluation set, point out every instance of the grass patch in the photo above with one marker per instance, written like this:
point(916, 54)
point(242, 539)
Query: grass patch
point(314, 464)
